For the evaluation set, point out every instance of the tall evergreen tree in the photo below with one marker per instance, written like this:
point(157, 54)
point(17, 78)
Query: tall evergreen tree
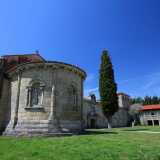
point(107, 87)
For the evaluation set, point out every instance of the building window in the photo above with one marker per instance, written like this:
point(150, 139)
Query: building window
point(73, 98)
point(152, 113)
point(35, 93)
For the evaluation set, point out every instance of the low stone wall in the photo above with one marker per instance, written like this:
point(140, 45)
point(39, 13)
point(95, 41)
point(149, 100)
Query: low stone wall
point(120, 118)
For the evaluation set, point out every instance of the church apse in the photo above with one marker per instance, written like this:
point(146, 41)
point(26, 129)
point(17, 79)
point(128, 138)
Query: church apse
point(46, 98)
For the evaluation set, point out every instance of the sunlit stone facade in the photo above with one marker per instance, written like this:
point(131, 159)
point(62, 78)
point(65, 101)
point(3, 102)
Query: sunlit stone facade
point(45, 98)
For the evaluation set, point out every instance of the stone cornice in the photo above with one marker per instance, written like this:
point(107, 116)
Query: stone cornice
point(47, 64)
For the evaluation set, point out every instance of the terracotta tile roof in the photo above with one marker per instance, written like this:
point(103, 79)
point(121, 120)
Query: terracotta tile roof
point(12, 61)
point(151, 107)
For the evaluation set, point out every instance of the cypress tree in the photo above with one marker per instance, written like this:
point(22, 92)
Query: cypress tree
point(107, 87)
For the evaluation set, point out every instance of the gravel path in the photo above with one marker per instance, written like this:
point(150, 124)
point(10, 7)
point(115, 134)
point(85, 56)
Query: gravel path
point(148, 132)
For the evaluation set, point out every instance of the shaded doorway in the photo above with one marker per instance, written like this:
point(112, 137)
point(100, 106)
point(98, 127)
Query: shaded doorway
point(150, 123)
point(93, 123)
point(156, 122)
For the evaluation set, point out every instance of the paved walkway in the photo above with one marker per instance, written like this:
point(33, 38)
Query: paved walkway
point(148, 132)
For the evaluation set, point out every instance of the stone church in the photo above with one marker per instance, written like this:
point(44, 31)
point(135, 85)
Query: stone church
point(46, 97)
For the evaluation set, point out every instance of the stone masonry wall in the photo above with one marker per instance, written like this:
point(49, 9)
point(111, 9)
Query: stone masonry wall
point(5, 105)
point(38, 118)
point(119, 119)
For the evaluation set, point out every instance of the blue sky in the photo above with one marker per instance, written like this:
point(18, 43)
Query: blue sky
point(76, 31)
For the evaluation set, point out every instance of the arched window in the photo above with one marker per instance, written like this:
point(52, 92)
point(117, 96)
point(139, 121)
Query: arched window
point(152, 113)
point(73, 98)
point(35, 94)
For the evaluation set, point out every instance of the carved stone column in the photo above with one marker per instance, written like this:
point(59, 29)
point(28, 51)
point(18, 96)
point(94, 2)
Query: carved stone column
point(28, 97)
point(17, 100)
point(52, 111)
point(42, 95)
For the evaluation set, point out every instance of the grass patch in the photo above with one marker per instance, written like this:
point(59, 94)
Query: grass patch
point(103, 144)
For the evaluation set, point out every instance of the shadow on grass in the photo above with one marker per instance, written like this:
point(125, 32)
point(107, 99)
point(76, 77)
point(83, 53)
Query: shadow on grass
point(93, 132)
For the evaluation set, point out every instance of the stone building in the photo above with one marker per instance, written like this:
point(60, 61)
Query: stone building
point(40, 97)
point(94, 118)
point(150, 115)
point(46, 97)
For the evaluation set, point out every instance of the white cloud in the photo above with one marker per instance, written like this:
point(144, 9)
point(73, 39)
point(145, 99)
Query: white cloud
point(137, 86)
point(91, 90)
point(152, 75)
point(153, 82)
point(143, 85)
point(89, 83)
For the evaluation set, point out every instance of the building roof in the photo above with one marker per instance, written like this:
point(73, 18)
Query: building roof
point(11, 61)
point(123, 94)
point(151, 107)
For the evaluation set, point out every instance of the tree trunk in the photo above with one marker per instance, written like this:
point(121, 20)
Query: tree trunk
point(109, 122)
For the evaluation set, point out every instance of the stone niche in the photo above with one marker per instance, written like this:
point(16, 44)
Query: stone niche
point(46, 98)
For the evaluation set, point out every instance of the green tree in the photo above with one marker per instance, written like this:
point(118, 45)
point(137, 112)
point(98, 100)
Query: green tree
point(138, 100)
point(155, 100)
point(147, 100)
point(107, 87)
point(158, 100)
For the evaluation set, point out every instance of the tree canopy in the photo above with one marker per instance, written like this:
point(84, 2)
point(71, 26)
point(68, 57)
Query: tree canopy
point(147, 100)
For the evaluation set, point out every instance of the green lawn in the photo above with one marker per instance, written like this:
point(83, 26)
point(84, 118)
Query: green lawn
point(115, 144)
